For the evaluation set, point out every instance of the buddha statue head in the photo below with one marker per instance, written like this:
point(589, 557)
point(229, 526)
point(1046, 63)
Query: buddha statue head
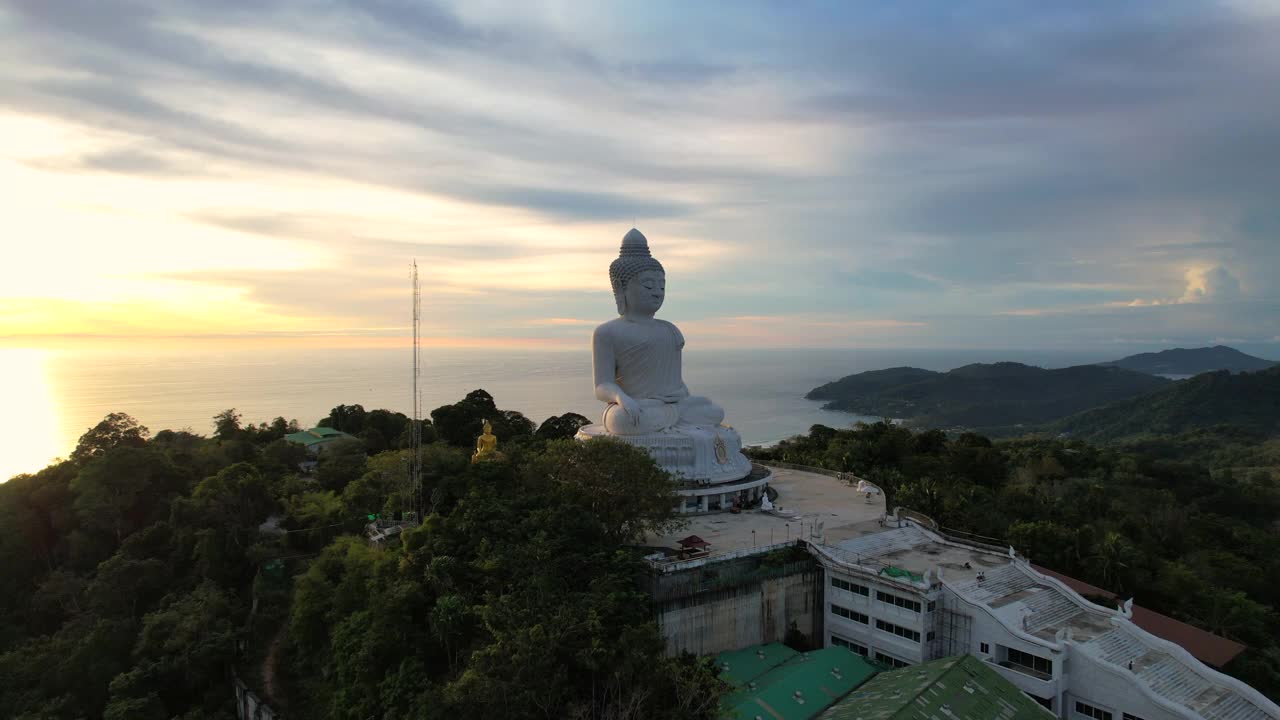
point(639, 282)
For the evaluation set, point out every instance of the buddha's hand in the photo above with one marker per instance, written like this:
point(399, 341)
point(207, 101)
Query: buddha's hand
point(629, 406)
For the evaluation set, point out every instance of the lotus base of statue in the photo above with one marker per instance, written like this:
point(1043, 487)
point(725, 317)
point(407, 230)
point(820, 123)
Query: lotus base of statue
point(694, 455)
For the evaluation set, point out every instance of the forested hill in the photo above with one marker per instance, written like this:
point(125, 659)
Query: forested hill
point(1193, 361)
point(1245, 400)
point(984, 396)
point(128, 574)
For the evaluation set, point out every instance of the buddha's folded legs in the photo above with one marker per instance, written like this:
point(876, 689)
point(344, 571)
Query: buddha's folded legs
point(655, 416)
point(696, 410)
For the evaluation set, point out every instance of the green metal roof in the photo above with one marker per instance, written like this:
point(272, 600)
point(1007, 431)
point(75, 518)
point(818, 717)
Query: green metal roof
point(965, 686)
point(800, 688)
point(315, 435)
point(738, 667)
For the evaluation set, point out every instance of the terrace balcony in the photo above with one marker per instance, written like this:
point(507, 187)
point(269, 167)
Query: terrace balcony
point(1033, 681)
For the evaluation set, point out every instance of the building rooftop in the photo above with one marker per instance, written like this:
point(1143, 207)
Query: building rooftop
point(738, 667)
point(1020, 598)
point(957, 688)
point(801, 687)
point(807, 504)
point(315, 435)
point(1046, 610)
point(910, 547)
point(1204, 645)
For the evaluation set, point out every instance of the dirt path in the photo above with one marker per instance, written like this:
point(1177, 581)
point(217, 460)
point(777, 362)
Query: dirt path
point(269, 669)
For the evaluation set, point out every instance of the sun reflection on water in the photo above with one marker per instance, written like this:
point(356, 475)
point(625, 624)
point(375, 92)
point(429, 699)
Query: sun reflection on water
point(29, 427)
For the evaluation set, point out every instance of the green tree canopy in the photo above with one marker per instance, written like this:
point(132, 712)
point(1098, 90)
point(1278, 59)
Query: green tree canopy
point(616, 485)
point(226, 424)
point(341, 463)
point(561, 427)
point(190, 639)
point(459, 424)
point(124, 489)
point(349, 419)
point(517, 599)
point(115, 430)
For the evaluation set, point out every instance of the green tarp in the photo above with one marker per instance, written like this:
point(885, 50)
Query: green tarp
point(897, 572)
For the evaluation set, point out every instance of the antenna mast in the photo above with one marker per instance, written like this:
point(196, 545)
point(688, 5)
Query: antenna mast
point(416, 443)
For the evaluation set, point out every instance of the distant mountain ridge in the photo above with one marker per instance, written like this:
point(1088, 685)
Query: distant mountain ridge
point(978, 396)
point(1192, 361)
point(1249, 400)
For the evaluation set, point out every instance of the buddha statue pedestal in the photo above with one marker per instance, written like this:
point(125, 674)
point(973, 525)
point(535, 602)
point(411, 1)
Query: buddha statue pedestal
point(714, 475)
point(636, 360)
point(695, 455)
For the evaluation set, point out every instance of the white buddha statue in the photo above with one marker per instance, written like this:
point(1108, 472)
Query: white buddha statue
point(636, 357)
point(636, 361)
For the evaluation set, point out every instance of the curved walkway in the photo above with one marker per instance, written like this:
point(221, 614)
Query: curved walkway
point(807, 503)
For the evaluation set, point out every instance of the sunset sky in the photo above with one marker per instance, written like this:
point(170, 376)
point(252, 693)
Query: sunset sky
point(851, 174)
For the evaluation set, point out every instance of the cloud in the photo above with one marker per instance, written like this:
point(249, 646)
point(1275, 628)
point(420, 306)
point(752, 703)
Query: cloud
point(120, 160)
point(1215, 284)
point(563, 321)
point(576, 204)
point(1202, 285)
point(795, 331)
point(1008, 164)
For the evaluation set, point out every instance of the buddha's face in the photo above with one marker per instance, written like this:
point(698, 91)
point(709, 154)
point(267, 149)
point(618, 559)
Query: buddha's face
point(645, 292)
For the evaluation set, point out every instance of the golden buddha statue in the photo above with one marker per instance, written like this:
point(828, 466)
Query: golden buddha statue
point(486, 445)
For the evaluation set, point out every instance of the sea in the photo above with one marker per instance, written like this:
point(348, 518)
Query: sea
point(54, 396)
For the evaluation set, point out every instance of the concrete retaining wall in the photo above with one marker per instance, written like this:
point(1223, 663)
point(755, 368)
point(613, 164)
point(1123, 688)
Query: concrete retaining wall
point(249, 706)
point(738, 603)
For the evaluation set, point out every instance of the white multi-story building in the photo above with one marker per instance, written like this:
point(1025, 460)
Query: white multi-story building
point(898, 591)
point(907, 594)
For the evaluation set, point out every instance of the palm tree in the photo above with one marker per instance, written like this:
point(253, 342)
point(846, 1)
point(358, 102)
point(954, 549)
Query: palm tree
point(447, 618)
point(1110, 557)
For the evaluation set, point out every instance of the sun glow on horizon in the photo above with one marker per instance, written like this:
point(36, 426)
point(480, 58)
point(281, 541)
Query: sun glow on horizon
point(185, 253)
point(29, 439)
point(317, 341)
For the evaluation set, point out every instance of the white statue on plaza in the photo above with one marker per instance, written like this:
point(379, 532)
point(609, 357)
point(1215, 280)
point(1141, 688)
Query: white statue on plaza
point(636, 361)
point(636, 357)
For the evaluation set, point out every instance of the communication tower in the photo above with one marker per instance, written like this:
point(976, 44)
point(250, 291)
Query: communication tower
point(415, 471)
